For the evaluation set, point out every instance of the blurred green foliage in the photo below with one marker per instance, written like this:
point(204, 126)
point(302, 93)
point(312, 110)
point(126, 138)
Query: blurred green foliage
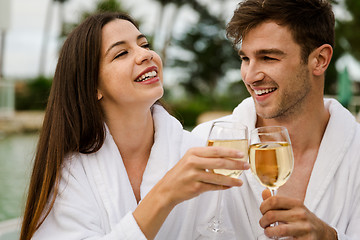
point(187, 110)
point(212, 56)
point(205, 58)
point(101, 6)
point(32, 94)
point(347, 35)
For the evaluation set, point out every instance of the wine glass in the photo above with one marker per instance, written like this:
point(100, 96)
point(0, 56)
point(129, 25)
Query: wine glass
point(229, 135)
point(271, 158)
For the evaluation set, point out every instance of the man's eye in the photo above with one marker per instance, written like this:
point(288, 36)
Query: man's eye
point(266, 58)
point(243, 58)
point(120, 54)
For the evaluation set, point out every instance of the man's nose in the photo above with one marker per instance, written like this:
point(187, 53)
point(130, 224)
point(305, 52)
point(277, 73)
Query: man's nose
point(251, 73)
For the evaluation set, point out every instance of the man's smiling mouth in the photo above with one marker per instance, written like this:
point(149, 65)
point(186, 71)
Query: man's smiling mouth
point(264, 91)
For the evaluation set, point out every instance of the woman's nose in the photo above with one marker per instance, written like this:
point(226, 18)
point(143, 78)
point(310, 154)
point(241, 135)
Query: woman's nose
point(143, 54)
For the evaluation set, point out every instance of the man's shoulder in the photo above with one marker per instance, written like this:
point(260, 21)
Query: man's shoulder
point(204, 128)
point(243, 112)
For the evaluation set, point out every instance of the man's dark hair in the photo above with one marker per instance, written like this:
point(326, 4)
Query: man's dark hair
point(311, 22)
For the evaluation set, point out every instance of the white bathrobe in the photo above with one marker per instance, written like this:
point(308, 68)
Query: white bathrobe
point(333, 192)
point(96, 200)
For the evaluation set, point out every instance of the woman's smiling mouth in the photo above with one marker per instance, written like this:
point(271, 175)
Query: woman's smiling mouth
point(146, 76)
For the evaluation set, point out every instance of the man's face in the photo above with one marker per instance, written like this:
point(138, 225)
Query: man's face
point(273, 72)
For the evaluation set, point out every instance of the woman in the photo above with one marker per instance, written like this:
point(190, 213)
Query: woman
point(107, 163)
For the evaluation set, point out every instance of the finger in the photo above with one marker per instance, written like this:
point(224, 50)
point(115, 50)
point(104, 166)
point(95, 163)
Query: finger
point(212, 187)
point(223, 163)
point(219, 180)
point(273, 216)
point(280, 209)
point(279, 203)
point(266, 194)
point(207, 160)
point(291, 216)
point(293, 229)
point(280, 230)
point(216, 152)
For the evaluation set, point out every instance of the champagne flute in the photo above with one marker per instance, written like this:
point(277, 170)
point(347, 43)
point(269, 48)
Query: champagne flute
point(271, 157)
point(230, 135)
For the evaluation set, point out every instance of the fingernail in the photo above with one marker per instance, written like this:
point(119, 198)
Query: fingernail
point(246, 165)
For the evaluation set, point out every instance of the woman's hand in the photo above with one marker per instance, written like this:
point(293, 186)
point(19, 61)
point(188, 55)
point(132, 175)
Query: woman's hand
point(187, 179)
point(191, 177)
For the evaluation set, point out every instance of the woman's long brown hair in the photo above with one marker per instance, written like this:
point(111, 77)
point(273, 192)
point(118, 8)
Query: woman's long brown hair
point(73, 119)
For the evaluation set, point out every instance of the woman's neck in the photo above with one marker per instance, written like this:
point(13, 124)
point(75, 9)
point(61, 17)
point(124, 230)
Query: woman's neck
point(133, 132)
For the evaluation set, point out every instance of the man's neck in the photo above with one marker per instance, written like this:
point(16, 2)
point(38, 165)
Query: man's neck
point(306, 129)
point(306, 132)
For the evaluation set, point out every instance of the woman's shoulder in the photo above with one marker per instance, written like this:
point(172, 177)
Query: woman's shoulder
point(192, 140)
point(76, 165)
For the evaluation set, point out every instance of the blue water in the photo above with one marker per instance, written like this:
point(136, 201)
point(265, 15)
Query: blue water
point(16, 155)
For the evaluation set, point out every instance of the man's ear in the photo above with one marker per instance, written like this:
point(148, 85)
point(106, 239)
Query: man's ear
point(320, 59)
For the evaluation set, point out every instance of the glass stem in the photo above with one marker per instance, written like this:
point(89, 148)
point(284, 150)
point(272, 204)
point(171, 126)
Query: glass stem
point(218, 206)
point(273, 193)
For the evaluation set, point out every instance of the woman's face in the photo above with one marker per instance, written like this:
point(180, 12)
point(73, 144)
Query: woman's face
point(130, 73)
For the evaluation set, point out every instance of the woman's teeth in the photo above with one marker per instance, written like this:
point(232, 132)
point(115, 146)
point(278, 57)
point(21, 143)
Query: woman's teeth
point(146, 76)
point(264, 91)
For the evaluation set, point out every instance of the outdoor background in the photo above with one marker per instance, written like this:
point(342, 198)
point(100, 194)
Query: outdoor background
point(201, 68)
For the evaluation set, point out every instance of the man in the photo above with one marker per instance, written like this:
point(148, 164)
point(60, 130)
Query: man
point(286, 47)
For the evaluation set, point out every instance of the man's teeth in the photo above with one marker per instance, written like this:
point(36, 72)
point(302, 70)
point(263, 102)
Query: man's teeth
point(263, 91)
point(146, 76)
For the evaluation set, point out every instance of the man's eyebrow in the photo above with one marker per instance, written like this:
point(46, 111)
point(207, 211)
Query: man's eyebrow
point(265, 52)
point(122, 42)
point(241, 52)
point(273, 51)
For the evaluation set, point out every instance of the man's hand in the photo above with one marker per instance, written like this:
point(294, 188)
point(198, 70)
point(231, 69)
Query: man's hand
point(294, 218)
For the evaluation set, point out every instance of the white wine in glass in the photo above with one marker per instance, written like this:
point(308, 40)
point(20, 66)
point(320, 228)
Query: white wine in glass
point(229, 135)
point(239, 144)
point(271, 158)
point(272, 164)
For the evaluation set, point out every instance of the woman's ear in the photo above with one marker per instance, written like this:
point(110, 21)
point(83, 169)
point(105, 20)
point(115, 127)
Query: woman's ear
point(99, 95)
point(320, 59)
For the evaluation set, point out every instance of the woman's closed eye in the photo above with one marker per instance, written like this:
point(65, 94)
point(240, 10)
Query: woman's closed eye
point(146, 45)
point(122, 53)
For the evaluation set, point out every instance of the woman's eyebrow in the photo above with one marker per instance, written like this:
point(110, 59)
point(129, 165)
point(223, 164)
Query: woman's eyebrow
point(141, 36)
point(122, 42)
point(114, 45)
